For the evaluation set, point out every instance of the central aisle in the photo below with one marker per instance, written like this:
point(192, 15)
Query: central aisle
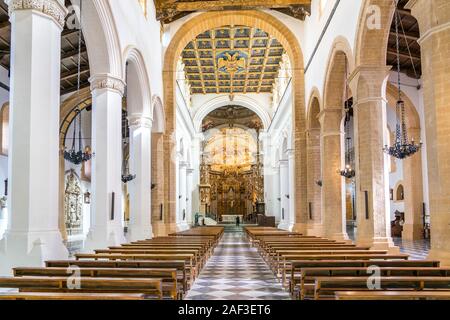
point(236, 272)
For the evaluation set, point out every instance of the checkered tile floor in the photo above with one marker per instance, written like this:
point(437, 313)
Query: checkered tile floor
point(417, 249)
point(236, 272)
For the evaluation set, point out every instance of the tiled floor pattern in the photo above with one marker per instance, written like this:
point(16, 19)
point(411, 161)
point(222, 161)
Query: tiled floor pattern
point(417, 249)
point(236, 272)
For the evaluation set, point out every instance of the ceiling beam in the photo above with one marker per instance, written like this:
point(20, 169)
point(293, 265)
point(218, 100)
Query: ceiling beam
point(71, 73)
point(218, 4)
point(404, 55)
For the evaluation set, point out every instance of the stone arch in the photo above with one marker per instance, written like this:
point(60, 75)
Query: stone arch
point(139, 101)
point(224, 100)
point(101, 38)
point(276, 28)
point(412, 168)
point(375, 20)
point(314, 165)
point(157, 114)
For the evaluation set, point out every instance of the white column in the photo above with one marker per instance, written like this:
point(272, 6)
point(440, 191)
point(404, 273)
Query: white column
point(292, 191)
point(32, 234)
point(189, 195)
point(276, 204)
point(284, 191)
point(140, 226)
point(106, 221)
point(181, 196)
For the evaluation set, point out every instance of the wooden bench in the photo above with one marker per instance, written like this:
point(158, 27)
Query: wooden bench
point(169, 276)
point(392, 295)
point(326, 287)
point(190, 266)
point(308, 275)
point(151, 288)
point(69, 296)
point(179, 265)
point(298, 265)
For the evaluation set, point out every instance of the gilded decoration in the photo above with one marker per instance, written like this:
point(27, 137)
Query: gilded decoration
point(73, 205)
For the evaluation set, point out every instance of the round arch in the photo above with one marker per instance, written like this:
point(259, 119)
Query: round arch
point(270, 24)
point(375, 20)
point(223, 101)
point(158, 114)
point(138, 86)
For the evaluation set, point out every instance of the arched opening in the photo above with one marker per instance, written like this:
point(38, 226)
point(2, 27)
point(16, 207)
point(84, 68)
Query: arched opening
point(232, 164)
point(314, 167)
point(337, 135)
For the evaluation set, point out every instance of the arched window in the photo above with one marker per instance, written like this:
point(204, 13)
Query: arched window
point(400, 193)
point(4, 128)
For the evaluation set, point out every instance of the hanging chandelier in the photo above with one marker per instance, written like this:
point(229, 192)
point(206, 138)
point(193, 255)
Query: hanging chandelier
point(402, 148)
point(348, 172)
point(77, 155)
point(126, 175)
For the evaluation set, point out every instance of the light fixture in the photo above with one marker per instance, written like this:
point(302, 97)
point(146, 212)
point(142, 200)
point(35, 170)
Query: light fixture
point(87, 197)
point(348, 172)
point(77, 155)
point(402, 148)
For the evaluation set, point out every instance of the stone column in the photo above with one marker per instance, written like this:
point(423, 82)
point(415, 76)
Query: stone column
point(412, 178)
point(434, 21)
point(106, 209)
point(314, 225)
point(140, 226)
point(33, 235)
point(284, 192)
point(157, 194)
point(294, 221)
point(276, 204)
point(181, 196)
point(333, 184)
point(372, 176)
point(189, 195)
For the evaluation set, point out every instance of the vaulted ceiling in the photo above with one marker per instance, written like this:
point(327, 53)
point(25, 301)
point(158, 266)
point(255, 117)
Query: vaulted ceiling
point(231, 115)
point(232, 59)
point(69, 53)
point(168, 11)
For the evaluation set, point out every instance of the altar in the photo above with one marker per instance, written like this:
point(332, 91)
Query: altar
point(231, 218)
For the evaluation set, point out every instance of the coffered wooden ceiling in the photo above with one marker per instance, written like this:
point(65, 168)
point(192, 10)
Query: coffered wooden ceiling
point(232, 59)
point(69, 53)
point(410, 59)
point(170, 10)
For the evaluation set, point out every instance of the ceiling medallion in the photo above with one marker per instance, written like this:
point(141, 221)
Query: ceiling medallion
point(231, 62)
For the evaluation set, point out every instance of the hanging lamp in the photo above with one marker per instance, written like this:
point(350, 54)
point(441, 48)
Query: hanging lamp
point(348, 172)
point(77, 155)
point(402, 148)
point(126, 175)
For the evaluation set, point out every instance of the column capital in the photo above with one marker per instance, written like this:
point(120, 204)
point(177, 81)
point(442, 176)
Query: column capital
point(139, 121)
point(107, 81)
point(55, 9)
point(290, 153)
point(183, 165)
point(284, 163)
point(374, 78)
point(190, 171)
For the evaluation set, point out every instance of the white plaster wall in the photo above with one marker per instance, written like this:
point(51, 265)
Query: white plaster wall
point(4, 97)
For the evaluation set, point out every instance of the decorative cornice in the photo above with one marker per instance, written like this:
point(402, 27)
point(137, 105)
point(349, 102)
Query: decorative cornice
point(139, 122)
point(107, 81)
point(52, 8)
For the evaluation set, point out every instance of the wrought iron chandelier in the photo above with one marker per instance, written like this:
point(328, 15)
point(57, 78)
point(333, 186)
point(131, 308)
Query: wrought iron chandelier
point(126, 175)
point(77, 155)
point(348, 172)
point(402, 148)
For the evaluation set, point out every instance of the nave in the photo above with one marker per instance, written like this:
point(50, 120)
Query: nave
point(236, 271)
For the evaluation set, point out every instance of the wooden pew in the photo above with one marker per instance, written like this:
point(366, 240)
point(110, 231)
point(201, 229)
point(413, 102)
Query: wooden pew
point(392, 295)
point(179, 265)
point(69, 296)
point(168, 276)
point(151, 288)
point(326, 287)
point(298, 265)
point(308, 275)
point(191, 266)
